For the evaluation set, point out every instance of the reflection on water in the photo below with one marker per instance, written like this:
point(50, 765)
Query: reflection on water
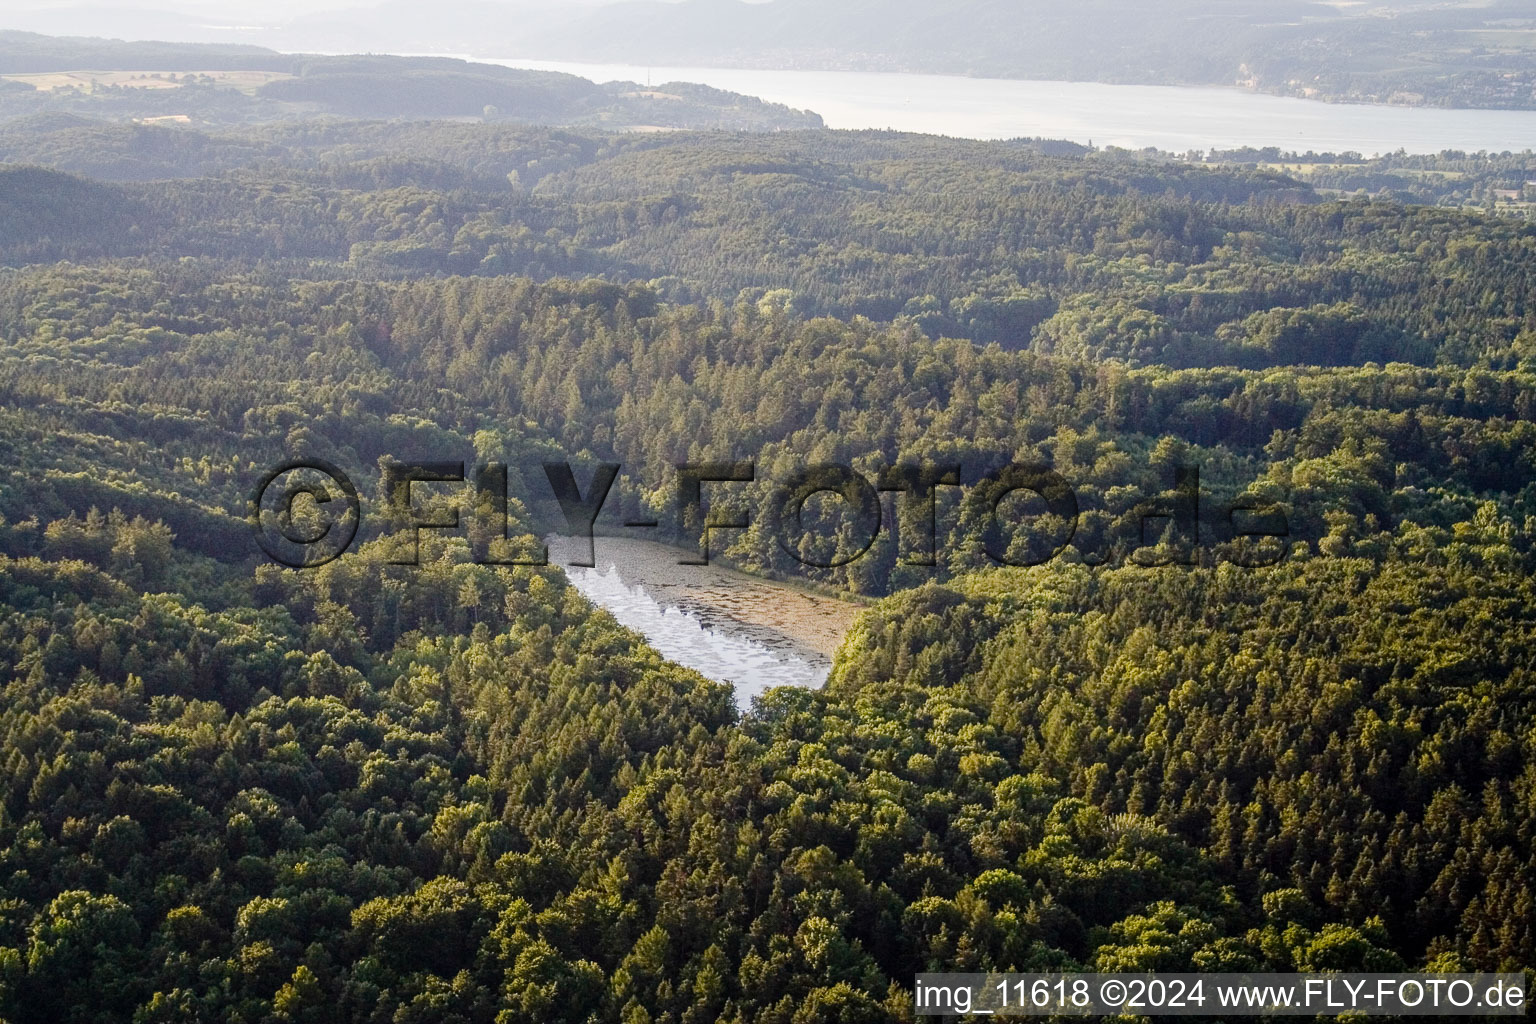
point(750, 663)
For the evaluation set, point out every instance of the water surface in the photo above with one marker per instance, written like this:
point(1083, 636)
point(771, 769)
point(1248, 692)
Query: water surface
point(1176, 119)
point(730, 627)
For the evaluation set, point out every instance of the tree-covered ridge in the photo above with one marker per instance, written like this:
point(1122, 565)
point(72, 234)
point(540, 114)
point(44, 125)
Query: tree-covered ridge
point(1356, 458)
point(1087, 256)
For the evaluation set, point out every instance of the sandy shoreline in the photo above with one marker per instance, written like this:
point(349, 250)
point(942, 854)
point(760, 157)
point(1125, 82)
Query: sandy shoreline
point(776, 614)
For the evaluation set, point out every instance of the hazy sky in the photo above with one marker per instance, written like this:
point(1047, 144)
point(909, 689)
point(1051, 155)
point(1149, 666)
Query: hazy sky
point(223, 10)
point(45, 14)
point(214, 9)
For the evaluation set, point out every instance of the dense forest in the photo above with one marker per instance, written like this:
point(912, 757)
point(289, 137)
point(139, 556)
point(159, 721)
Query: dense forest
point(458, 792)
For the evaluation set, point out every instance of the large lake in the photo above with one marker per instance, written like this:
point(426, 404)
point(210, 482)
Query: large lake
point(1134, 116)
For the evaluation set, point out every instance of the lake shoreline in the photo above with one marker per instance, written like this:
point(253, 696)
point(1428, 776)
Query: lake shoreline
point(1329, 99)
point(776, 612)
point(1173, 118)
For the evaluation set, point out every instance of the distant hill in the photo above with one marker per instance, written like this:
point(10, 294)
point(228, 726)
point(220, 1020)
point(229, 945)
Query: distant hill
point(121, 152)
point(228, 85)
point(30, 53)
point(45, 214)
point(425, 87)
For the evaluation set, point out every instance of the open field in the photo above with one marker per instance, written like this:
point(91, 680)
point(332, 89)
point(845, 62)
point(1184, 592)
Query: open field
point(1507, 39)
point(245, 81)
point(1305, 169)
point(651, 94)
point(1300, 168)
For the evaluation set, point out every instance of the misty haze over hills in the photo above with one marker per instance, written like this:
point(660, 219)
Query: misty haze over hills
point(1402, 51)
